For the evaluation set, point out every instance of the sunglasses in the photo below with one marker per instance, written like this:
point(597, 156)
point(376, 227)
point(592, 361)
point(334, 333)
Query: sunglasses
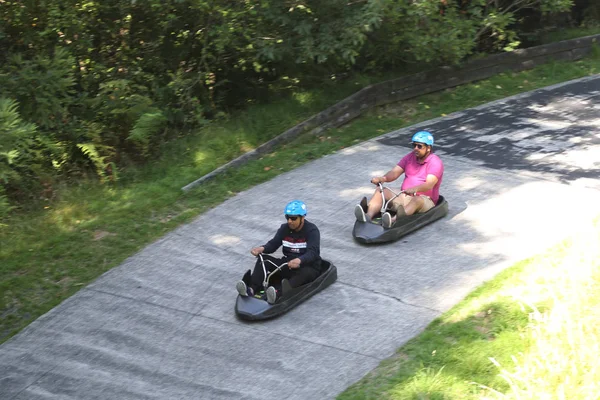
point(418, 145)
point(292, 217)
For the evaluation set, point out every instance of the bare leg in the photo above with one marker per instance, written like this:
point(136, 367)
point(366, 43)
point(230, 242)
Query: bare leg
point(415, 205)
point(376, 202)
point(407, 205)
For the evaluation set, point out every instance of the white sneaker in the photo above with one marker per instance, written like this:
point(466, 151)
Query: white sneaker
point(242, 288)
point(271, 295)
point(386, 220)
point(359, 213)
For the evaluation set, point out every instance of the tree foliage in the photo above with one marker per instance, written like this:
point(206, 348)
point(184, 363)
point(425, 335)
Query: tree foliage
point(448, 31)
point(102, 80)
point(22, 152)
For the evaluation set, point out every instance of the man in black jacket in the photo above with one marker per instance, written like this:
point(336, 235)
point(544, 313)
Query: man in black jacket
point(301, 242)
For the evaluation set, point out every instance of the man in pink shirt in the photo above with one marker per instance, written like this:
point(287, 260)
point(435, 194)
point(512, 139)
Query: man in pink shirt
point(421, 187)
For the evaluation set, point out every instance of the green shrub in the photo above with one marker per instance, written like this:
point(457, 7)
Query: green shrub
point(5, 207)
point(43, 87)
point(85, 150)
point(21, 151)
point(591, 15)
point(118, 106)
point(185, 100)
point(146, 129)
point(65, 142)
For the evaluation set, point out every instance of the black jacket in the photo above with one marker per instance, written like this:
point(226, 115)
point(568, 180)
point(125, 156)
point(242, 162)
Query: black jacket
point(304, 244)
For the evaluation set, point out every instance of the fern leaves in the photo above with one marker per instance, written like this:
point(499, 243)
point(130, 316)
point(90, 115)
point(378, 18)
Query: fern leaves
point(146, 128)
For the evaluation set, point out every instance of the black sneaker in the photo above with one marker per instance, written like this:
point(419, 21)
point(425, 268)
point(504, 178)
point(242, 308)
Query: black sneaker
point(243, 290)
point(272, 295)
point(363, 203)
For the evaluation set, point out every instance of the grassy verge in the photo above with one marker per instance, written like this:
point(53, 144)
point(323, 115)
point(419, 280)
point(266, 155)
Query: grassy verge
point(49, 253)
point(566, 34)
point(531, 333)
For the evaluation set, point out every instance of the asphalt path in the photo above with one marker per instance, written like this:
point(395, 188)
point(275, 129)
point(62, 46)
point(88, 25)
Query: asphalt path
point(521, 174)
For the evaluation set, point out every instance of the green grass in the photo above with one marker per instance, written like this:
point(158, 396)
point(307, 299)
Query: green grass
point(530, 333)
point(51, 250)
point(566, 34)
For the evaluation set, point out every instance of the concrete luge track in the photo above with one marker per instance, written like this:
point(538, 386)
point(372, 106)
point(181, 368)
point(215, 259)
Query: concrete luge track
point(162, 324)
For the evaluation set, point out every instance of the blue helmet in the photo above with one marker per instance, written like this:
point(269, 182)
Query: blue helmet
point(423, 137)
point(295, 207)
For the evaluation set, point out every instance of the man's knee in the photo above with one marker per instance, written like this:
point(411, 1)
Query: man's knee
point(427, 203)
point(303, 276)
point(414, 205)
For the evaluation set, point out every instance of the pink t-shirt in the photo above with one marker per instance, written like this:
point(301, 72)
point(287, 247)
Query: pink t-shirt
point(416, 173)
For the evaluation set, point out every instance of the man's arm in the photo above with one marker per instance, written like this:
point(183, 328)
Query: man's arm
point(313, 245)
point(390, 176)
point(272, 245)
point(429, 183)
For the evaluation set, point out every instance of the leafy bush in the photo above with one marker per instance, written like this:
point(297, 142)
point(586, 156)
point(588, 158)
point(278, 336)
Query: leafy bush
point(591, 15)
point(185, 100)
point(104, 82)
point(43, 87)
point(146, 129)
point(5, 207)
point(21, 151)
point(447, 32)
point(85, 151)
point(64, 142)
point(118, 106)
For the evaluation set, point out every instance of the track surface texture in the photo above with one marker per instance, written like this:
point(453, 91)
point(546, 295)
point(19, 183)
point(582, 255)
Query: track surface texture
point(162, 324)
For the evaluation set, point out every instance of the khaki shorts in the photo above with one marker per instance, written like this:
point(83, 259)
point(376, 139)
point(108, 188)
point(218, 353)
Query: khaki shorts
point(403, 200)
